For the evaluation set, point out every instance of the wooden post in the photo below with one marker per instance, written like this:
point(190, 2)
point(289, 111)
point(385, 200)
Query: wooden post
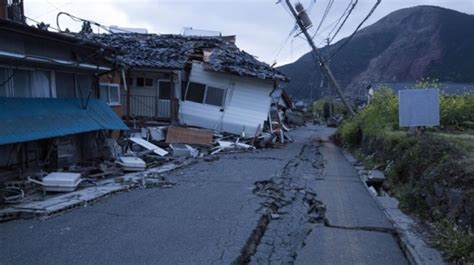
point(319, 59)
point(128, 97)
point(173, 101)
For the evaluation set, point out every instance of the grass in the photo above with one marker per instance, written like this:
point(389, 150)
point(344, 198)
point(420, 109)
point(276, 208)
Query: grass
point(457, 245)
point(463, 142)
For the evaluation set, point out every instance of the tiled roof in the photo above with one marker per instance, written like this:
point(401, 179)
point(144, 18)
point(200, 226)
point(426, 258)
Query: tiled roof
point(174, 51)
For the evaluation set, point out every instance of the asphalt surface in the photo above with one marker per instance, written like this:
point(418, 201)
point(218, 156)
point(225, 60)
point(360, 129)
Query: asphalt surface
point(356, 231)
point(220, 213)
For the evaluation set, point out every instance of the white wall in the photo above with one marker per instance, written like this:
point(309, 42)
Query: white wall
point(246, 106)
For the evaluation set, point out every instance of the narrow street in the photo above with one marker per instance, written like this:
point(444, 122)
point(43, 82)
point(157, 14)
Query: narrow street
point(301, 204)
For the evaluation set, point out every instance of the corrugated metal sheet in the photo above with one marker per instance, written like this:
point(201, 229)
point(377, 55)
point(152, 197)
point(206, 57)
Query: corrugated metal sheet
point(29, 119)
point(246, 106)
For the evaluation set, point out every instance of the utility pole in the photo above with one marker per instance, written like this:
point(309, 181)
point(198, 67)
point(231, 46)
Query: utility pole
point(325, 69)
point(331, 105)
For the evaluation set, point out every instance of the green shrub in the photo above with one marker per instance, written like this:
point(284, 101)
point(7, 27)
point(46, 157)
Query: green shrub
point(381, 113)
point(458, 245)
point(457, 111)
point(351, 132)
point(321, 108)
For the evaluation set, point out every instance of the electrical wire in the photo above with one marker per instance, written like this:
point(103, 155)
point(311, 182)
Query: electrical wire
point(326, 12)
point(91, 22)
point(31, 19)
point(285, 8)
point(346, 13)
point(344, 21)
point(338, 20)
point(58, 8)
point(356, 30)
point(277, 53)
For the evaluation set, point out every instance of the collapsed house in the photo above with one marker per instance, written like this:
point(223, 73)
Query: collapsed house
point(197, 81)
point(62, 96)
point(50, 109)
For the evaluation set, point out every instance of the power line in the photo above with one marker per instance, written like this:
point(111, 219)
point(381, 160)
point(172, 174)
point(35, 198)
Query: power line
point(277, 53)
point(91, 22)
point(326, 12)
point(58, 8)
point(348, 12)
point(317, 57)
point(18, 12)
point(357, 29)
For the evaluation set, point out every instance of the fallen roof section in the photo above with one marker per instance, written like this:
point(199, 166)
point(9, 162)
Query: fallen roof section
point(175, 51)
point(29, 119)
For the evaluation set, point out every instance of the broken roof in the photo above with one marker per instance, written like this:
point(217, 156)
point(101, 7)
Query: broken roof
point(174, 51)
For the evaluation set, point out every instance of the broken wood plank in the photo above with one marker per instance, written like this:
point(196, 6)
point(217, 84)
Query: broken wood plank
point(183, 135)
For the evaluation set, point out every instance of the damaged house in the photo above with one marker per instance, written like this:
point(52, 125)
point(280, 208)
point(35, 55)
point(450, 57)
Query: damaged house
point(50, 109)
point(197, 81)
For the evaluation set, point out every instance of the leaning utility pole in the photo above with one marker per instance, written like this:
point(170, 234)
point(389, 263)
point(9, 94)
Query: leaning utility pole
point(304, 23)
point(328, 61)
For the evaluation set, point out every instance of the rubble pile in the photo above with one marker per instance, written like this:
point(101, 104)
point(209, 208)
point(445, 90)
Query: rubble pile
point(175, 51)
point(140, 150)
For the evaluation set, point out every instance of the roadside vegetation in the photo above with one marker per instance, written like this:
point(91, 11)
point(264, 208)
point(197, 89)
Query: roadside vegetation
point(432, 173)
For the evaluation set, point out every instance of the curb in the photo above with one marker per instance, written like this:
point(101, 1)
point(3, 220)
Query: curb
point(413, 246)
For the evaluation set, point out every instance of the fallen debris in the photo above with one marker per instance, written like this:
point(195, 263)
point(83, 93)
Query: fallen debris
point(13, 195)
point(131, 163)
point(54, 204)
point(295, 118)
point(59, 182)
point(149, 146)
point(184, 135)
point(226, 145)
point(183, 150)
point(157, 134)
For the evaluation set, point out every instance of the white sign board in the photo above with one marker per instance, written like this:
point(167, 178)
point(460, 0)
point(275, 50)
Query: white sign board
point(418, 107)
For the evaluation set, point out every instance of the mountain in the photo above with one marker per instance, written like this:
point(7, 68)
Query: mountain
point(405, 46)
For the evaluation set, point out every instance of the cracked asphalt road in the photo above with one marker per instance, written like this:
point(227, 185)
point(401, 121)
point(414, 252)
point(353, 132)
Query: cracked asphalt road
point(214, 213)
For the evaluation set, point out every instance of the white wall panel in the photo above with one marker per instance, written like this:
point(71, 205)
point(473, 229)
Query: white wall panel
point(246, 106)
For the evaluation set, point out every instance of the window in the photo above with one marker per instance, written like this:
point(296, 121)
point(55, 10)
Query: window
point(140, 82)
point(110, 93)
point(22, 83)
point(164, 90)
point(144, 82)
point(214, 96)
point(25, 83)
point(205, 94)
point(65, 87)
point(196, 92)
point(42, 87)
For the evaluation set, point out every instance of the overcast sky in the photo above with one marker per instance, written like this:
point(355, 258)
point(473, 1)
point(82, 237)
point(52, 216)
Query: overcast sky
point(261, 26)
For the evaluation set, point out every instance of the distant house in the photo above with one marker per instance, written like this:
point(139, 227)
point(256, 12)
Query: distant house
point(51, 116)
point(200, 81)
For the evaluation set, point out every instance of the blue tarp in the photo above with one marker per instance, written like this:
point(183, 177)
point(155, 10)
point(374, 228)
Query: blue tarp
point(29, 119)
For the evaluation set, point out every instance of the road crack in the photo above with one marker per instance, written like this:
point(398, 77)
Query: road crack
point(287, 212)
